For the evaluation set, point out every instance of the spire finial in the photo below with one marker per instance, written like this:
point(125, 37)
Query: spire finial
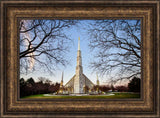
point(78, 43)
point(97, 75)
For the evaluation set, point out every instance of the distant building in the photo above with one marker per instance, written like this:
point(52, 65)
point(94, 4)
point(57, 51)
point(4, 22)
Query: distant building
point(79, 82)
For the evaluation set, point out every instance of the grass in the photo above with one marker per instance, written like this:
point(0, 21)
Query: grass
point(117, 95)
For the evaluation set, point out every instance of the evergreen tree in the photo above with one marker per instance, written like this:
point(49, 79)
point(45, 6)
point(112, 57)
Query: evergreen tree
point(134, 85)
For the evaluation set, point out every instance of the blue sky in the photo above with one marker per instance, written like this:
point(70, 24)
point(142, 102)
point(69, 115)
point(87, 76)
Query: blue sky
point(69, 70)
point(71, 56)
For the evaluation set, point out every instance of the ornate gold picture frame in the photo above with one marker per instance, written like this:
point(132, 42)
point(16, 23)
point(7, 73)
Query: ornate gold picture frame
point(147, 106)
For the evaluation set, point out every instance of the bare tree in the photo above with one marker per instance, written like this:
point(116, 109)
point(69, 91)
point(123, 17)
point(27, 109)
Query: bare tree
point(118, 48)
point(43, 44)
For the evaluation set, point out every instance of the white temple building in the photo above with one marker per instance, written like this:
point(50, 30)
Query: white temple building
point(79, 82)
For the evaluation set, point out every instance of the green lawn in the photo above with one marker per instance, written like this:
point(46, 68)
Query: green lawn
point(116, 95)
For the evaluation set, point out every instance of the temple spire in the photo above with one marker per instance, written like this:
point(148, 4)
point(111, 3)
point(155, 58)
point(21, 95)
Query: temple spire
point(97, 79)
point(79, 79)
point(61, 85)
point(79, 43)
point(78, 83)
point(79, 59)
point(62, 77)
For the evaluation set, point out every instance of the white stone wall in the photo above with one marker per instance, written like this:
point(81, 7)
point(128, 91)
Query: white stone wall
point(79, 85)
point(76, 84)
point(82, 84)
point(70, 83)
point(88, 82)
